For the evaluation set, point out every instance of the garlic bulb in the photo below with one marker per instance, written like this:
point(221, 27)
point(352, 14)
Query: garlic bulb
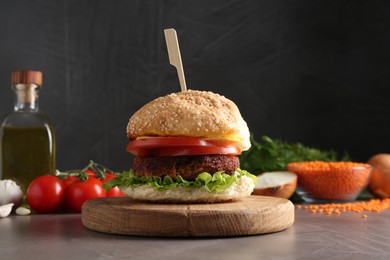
point(10, 192)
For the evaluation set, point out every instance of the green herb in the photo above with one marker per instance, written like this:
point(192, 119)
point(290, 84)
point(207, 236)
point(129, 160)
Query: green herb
point(274, 155)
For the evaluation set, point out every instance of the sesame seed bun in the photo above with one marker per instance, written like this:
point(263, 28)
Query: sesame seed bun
point(191, 113)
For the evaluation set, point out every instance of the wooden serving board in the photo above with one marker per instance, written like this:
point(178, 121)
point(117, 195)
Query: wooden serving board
point(249, 216)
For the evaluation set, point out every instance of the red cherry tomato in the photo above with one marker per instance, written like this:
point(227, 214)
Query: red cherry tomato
point(177, 146)
point(80, 191)
point(113, 192)
point(45, 194)
point(70, 180)
point(90, 173)
point(109, 176)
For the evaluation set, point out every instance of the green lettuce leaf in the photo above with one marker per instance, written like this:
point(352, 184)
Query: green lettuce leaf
point(217, 182)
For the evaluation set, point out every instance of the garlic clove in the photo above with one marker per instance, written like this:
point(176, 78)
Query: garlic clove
point(22, 211)
point(5, 210)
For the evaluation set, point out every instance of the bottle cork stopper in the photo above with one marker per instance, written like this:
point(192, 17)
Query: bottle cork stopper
point(26, 77)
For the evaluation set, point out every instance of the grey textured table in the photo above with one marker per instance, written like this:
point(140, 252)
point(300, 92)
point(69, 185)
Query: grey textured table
point(62, 236)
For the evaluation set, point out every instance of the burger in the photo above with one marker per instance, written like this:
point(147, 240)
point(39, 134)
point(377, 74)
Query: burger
point(186, 148)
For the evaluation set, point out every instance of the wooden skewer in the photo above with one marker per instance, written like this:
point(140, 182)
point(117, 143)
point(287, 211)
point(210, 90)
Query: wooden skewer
point(174, 55)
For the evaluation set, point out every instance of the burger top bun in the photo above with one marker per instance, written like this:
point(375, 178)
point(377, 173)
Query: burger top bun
point(191, 113)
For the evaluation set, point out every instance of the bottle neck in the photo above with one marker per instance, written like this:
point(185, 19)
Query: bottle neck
point(26, 97)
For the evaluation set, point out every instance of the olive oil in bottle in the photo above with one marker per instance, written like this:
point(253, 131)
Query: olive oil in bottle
point(27, 140)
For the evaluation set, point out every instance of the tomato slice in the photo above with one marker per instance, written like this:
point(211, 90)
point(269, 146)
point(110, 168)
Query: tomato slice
point(154, 142)
point(178, 146)
point(187, 150)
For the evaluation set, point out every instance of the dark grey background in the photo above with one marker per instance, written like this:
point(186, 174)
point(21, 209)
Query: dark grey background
point(315, 72)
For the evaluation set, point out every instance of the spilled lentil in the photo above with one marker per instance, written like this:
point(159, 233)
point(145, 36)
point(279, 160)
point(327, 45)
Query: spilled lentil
point(373, 205)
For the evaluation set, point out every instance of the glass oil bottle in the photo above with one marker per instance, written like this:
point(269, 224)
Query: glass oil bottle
point(27, 139)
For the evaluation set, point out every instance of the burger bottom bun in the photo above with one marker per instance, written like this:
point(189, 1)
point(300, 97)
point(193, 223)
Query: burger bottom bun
point(241, 189)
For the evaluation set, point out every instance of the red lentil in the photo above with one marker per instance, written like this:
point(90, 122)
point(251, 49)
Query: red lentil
point(331, 180)
point(373, 205)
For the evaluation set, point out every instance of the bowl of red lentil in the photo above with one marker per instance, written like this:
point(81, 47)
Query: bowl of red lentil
point(330, 181)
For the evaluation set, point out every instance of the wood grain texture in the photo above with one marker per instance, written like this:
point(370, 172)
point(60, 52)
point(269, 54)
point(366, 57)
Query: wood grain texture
point(249, 216)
